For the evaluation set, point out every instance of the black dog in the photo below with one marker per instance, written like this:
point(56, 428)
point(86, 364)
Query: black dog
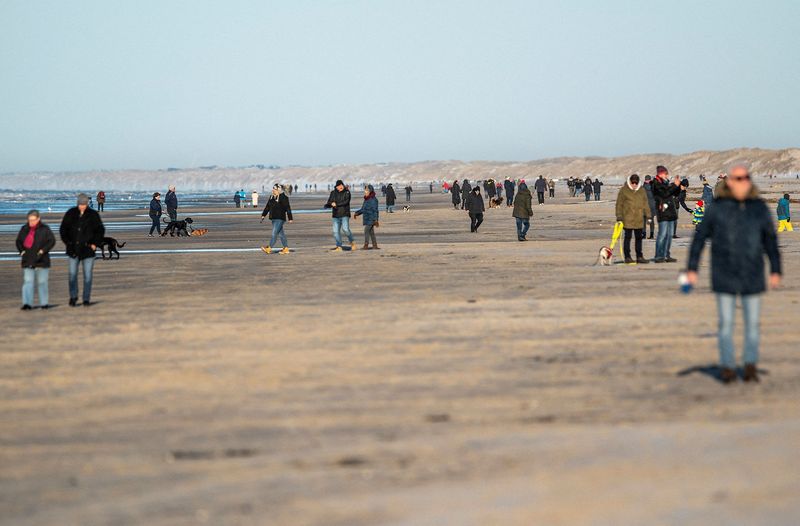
point(112, 245)
point(179, 228)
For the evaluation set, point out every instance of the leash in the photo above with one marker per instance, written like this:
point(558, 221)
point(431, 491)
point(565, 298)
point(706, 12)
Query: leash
point(618, 227)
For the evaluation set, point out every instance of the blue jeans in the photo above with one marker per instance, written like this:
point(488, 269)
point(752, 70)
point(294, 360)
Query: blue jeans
point(726, 308)
point(88, 265)
point(41, 276)
point(666, 229)
point(277, 230)
point(341, 224)
point(522, 226)
point(597, 196)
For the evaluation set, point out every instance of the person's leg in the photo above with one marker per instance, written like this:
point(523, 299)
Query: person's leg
point(346, 228)
point(43, 286)
point(751, 306)
point(366, 235)
point(526, 224)
point(781, 225)
point(337, 233)
point(726, 311)
point(27, 286)
point(597, 196)
point(789, 227)
point(282, 232)
point(479, 220)
point(274, 235)
point(626, 244)
point(372, 236)
point(519, 227)
point(472, 220)
point(73, 278)
point(88, 265)
point(660, 240)
point(639, 234)
point(668, 240)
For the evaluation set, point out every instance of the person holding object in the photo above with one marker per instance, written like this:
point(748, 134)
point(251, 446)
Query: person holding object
point(339, 203)
point(81, 231)
point(741, 231)
point(369, 211)
point(632, 211)
point(665, 193)
point(784, 215)
point(34, 243)
point(279, 212)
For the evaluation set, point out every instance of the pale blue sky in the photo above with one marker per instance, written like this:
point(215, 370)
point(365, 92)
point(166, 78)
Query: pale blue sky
point(149, 84)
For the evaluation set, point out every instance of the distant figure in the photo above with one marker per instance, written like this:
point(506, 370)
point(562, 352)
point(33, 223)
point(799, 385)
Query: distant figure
point(81, 231)
point(101, 201)
point(391, 198)
point(35, 240)
point(254, 198)
point(741, 231)
point(597, 185)
point(383, 190)
point(339, 202)
point(509, 187)
point(551, 186)
point(541, 187)
point(155, 214)
point(651, 201)
point(408, 192)
point(465, 190)
point(455, 192)
point(295, 189)
point(237, 199)
point(784, 214)
point(476, 208)
point(431, 188)
point(578, 186)
point(315, 187)
point(664, 192)
point(171, 200)
point(682, 195)
point(523, 211)
point(491, 189)
point(499, 188)
point(587, 189)
point(632, 209)
point(369, 211)
point(279, 212)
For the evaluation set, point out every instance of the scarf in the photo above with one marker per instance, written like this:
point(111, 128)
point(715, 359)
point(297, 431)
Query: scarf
point(28, 243)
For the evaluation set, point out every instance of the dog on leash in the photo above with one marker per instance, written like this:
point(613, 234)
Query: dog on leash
point(605, 258)
point(179, 228)
point(112, 245)
point(495, 202)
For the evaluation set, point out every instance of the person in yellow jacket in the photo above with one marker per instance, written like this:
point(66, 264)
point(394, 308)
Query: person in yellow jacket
point(632, 211)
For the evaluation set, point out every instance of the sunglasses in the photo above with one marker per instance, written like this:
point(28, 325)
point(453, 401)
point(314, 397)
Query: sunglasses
point(741, 178)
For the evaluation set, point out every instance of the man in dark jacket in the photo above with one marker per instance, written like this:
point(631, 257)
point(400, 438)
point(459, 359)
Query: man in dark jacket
point(597, 185)
point(578, 186)
point(237, 199)
point(741, 231)
point(155, 214)
point(391, 198)
point(279, 212)
point(171, 200)
point(508, 185)
point(651, 201)
point(339, 202)
point(409, 189)
point(587, 189)
point(541, 187)
point(455, 190)
point(523, 211)
point(81, 231)
point(476, 208)
point(664, 192)
point(465, 190)
point(35, 240)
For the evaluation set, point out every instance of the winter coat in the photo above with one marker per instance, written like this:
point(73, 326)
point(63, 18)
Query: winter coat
point(587, 187)
point(79, 232)
point(237, 198)
point(475, 203)
point(651, 201)
point(101, 197)
point(491, 191)
point(455, 190)
point(155, 208)
point(508, 185)
point(551, 184)
point(782, 210)
point(465, 191)
point(632, 206)
point(540, 185)
point(597, 186)
point(708, 195)
point(741, 232)
point(698, 214)
point(278, 208)
point(522, 203)
point(664, 193)
point(369, 210)
point(171, 200)
point(391, 197)
point(342, 200)
point(43, 240)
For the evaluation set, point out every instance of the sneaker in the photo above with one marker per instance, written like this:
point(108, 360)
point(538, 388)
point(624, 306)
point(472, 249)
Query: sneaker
point(26, 307)
point(267, 250)
point(629, 261)
point(642, 261)
point(336, 249)
point(750, 373)
point(150, 235)
point(727, 375)
point(520, 238)
point(73, 302)
point(285, 250)
point(671, 260)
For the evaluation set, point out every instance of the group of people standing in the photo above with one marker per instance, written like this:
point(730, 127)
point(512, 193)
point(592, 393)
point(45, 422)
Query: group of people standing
point(587, 187)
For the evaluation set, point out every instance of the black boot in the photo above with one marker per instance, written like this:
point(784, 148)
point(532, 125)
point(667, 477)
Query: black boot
point(727, 375)
point(750, 373)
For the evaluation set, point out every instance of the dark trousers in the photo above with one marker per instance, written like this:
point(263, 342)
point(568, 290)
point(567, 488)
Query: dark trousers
point(626, 246)
point(540, 196)
point(509, 198)
point(369, 233)
point(173, 214)
point(597, 196)
point(100, 205)
point(652, 224)
point(156, 225)
point(552, 192)
point(475, 221)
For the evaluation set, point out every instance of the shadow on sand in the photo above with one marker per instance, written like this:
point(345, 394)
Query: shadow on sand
point(713, 371)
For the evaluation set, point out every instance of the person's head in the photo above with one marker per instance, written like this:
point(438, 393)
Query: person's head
point(685, 182)
point(34, 218)
point(786, 196)
point(476, 190)
point(156, 195)
point(276, 189)
point(340, 185)
point(700, 203)
point(368, 190)
point(647, 178)
point(662, 172)
point(633, 181)
point(83, 202)
point(739, 182)
point(171, 188)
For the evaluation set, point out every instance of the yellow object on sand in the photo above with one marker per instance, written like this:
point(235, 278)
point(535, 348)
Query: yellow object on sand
point(618, 227)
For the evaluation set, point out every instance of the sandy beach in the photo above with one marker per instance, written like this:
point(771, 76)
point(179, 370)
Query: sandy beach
point(448, 378)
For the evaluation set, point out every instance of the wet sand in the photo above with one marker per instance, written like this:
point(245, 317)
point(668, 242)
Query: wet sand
point(449, 378)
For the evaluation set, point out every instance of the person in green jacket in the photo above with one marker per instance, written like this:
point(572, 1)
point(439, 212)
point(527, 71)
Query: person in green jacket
point(632, 211)
point(523, 210)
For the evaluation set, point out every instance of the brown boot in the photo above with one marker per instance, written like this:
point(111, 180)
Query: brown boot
point(365, 247)
point(727, 375)
point(375, 247)
point(750, 373)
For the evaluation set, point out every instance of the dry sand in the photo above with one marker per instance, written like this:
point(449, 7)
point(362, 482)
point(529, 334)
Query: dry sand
point(449, 378)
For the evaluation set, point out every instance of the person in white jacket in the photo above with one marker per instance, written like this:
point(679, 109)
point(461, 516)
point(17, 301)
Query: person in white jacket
point(255, 199)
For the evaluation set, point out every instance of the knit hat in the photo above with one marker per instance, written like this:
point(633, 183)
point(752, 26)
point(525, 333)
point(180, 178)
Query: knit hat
point(83, 199)
point(700, 203)
point(339, 182)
